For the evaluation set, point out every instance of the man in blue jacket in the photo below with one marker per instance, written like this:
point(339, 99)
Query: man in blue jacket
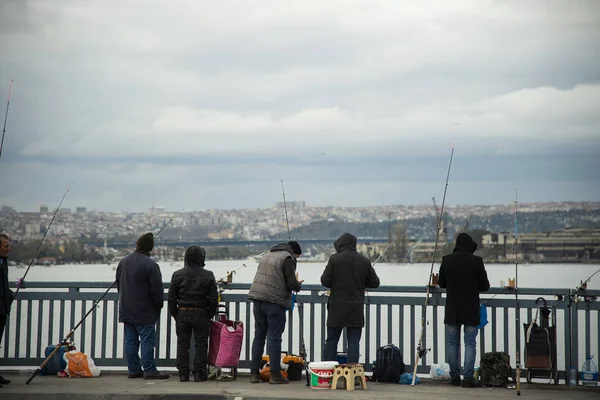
point(141, 292)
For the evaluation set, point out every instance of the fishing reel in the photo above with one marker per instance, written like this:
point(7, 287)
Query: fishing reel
point(422, 351)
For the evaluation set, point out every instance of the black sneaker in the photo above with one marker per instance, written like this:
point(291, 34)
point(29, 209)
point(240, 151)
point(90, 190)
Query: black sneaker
point(4, 381)
point(136, 375)
point(470, 383)
point(455, 381)
point(184, 378)
point(201, 375)
point(155, 375)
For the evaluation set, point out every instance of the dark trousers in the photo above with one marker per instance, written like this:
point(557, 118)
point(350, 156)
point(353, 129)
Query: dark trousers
point(269, 322)
point(333, 337)
point(3, 319)
point(198, 323)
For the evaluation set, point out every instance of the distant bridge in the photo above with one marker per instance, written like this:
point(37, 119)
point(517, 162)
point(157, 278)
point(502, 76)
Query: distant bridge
point(226, 242)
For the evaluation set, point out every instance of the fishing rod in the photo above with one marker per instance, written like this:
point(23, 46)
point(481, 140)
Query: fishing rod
point(518, 309)
point(22, 280)
point(70, 334)
point(582, 288)
point(421, 351)
point(286, 214)
point(229, 274)
point(303, 353)
point(5, 117)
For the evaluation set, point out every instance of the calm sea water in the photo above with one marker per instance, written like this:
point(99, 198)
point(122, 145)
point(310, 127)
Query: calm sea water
point(530, 276)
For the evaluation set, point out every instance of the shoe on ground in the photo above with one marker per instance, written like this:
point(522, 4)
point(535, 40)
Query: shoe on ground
point(4, 381)
point(455, 381)
point(470, 383)
point(184, 378)
point(155, 375)
point(136, 375)
point(278, 378)
point(201, 376)
point(254, 377)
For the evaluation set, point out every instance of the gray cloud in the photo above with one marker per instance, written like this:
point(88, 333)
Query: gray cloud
point(138, 103)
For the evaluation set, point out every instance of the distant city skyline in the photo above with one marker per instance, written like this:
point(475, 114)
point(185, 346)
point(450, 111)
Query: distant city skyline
point(196, 105)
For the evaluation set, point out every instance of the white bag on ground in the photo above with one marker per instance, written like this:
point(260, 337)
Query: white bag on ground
point(440, 371)
point(80, 365)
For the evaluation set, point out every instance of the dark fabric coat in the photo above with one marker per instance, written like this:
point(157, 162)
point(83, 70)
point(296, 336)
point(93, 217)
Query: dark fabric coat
point(6, 295)
point(193, 286)
point(141, 290)
point(463, 276)
point(348, 274)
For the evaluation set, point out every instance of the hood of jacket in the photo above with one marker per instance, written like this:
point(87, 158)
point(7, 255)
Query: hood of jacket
point(194, 256)
point(345, 242)
point(282, 247)
point(465, 243)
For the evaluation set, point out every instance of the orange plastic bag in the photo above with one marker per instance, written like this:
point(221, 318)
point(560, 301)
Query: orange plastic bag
point(79, 365)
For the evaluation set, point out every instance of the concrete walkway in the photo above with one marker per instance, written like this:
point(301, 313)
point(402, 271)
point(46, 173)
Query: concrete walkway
point(118, 386)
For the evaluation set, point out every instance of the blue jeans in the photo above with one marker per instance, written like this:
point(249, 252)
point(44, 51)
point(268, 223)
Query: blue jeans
point(269, 321)
point(134, 336)
point(453, 350)
point(333, 337)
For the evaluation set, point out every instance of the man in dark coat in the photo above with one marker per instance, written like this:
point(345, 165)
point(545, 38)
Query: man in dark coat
point(141, 292)
point(193, 301)
point(463, 276)
point(271, 292)
point(348, 274)
point(6, 295)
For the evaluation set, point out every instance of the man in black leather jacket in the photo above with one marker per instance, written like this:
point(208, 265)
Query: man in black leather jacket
point(193, 301)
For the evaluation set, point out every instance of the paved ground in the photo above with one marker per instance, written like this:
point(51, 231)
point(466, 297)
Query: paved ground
point(111, 386)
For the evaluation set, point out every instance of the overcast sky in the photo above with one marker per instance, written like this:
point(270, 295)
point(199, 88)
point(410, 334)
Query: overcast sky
point(210, 104)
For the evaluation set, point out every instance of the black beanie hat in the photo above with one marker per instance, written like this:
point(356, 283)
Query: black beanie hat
point(145, 242)
point(295, 247)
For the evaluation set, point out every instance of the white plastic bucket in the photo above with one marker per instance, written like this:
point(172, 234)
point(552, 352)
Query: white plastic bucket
point(321, 374)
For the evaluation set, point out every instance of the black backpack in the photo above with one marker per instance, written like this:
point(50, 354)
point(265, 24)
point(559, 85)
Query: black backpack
point(388, 364)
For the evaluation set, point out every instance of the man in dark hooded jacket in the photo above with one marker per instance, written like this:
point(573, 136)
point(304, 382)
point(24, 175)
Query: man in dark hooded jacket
point(463, 276)
point(271, 293)
point(141, 292)
point(6, 295)
point(348, 274)
point(193, 300)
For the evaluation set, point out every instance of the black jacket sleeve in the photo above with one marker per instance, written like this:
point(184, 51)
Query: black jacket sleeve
point(484, 283)
point(442, 276)
point(213, 297)
point(372, 278)
point(289, 270)
point(327, 277)
point(172, 297)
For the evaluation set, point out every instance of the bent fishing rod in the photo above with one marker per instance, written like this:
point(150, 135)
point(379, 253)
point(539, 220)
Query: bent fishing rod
point(421, 351)
point(5, 117)
point(22, 280)
point(68, 336)
point(517, 309)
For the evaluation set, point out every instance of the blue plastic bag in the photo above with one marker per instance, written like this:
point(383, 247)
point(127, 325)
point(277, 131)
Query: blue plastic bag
point(483, 321)
point(406, 379)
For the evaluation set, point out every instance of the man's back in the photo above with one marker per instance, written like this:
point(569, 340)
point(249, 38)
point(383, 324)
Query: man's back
point(463, 276)
point(141, 290)
point(348, 274)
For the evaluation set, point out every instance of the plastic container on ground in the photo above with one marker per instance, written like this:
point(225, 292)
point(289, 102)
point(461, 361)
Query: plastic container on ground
point(572, 377)
point(321, 374)
point(589, 373)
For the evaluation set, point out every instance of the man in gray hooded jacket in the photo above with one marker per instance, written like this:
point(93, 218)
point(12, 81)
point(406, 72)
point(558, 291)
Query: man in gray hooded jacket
point(271, 292)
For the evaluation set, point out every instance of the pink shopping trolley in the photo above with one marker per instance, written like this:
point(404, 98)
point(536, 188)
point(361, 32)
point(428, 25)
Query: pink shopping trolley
point(226, 338)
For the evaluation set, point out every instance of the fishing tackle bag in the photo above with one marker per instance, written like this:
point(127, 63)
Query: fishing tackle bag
point(495, 369)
